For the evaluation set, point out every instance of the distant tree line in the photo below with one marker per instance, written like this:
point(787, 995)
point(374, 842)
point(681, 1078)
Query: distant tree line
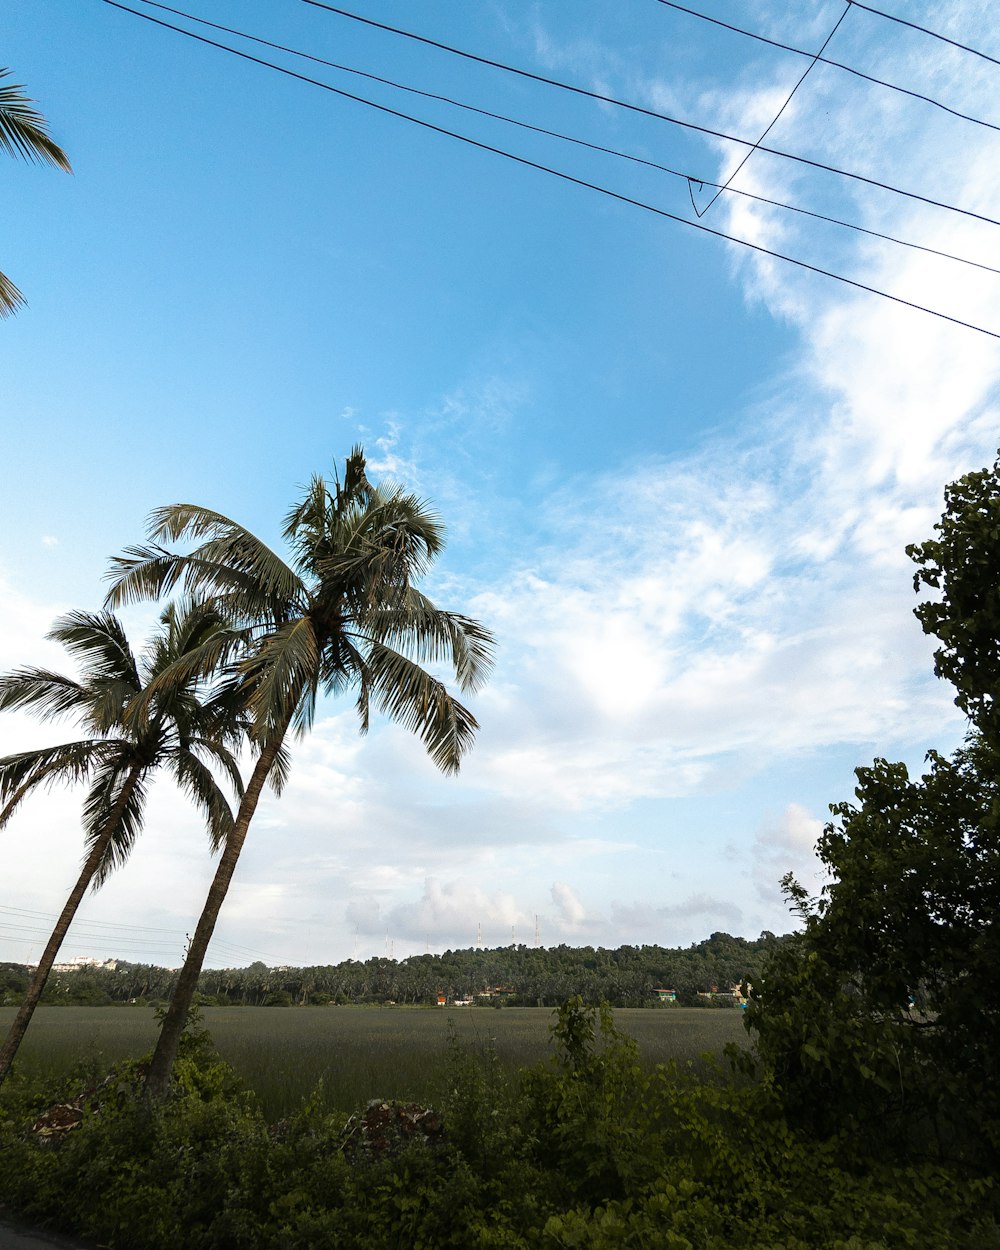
point(627, 976)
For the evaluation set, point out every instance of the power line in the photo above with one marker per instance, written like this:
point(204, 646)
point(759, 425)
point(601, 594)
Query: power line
point(584, 143)
point(847, 69)
point(924, 30)
point(612, 100)
point(580, 182)
point(772, 123)
point(93, 930)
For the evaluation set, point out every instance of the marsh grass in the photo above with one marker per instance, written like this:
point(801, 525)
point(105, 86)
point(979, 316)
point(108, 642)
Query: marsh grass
point(356, 1053)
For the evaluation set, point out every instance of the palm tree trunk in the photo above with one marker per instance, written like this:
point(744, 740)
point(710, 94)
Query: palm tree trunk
point(34, 993)
point(158, 1080)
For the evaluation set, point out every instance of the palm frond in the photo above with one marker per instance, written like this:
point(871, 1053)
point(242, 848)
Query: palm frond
point(281, 767)
point(282, 677)
point(23, 129)
point(70, 761)
point(355, 486)
point(226, 547)
point(432, 635)
point(201, 787)
point(11, 298)
point(342, 661)
point(223, 759)
point(243, 577)
point(110, 703)
point(142, 572)
point(421, 703)
point(223, 715)
point(174, 521)
point(116, 800)
point(177, 676)
point(45, 693)
point(99, 643)
point(394, 533)
point(311, 525)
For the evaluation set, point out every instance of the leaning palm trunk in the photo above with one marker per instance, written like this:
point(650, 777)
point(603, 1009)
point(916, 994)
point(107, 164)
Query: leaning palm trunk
point(158, 1080)
point(93, 862)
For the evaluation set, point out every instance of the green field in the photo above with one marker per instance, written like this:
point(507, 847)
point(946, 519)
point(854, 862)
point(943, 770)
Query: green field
point(357, 1052)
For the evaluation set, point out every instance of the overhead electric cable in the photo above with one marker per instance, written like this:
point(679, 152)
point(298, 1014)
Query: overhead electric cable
point(773, 122)
point(891, 17)
point(105, 924)
point(556, 173)
point(623, 104)
point(848, 69)
point(584, 143)
point(81, 928)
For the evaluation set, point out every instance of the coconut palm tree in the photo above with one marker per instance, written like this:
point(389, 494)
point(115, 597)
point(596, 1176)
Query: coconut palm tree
point(23, 133)
point(132, 730)
point(343, 614)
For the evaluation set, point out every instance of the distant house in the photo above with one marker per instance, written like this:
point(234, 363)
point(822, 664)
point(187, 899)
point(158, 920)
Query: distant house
point(493, 992)
point(666, 996)
point(442, 1000)
point(733, 997)
point(80, 962)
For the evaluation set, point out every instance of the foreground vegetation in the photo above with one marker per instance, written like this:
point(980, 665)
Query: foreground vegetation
point(587, 1149)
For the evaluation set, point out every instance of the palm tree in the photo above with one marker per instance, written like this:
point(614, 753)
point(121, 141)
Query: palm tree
point(133, 730)
point(343, 614)
point(23, 133)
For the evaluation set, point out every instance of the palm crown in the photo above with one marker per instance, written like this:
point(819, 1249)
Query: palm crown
point(138, 719)
point(343, 614)
point(140, 715)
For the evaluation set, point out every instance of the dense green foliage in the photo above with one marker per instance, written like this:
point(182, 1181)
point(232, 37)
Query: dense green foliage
point(882, 1018)
point(588, 1149)
point(961, 565)
point(627, 976)
point(883, 1015)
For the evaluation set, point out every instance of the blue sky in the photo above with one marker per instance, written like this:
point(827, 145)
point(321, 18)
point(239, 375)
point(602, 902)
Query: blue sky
point(678, 476)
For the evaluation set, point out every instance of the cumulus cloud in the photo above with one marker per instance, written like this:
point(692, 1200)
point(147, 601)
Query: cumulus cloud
point(447, 913)
point(786, 843)
point(571, 911)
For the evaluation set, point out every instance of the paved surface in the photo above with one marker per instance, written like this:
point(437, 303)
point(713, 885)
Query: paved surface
point(14, 1236)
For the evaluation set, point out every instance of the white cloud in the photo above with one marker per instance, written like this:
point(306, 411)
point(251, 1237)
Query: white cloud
point(786, 843)
point(572, 912)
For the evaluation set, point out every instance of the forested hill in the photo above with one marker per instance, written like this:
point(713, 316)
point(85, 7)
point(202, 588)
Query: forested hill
point(628, 976)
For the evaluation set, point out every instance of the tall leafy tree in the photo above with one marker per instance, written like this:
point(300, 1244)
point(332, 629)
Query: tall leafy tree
point(882, 1017)
point(23, 133)
point(960, 566)
point(344, 613)
point(139, 715)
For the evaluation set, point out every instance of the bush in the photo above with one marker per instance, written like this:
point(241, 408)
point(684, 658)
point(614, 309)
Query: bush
point(587, 1150)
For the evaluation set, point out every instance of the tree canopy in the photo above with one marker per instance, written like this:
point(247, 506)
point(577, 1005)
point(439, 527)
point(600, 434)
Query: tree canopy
point(883, 1016)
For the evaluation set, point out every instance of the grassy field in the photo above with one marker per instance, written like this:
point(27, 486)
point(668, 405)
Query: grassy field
point(357, 1052)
